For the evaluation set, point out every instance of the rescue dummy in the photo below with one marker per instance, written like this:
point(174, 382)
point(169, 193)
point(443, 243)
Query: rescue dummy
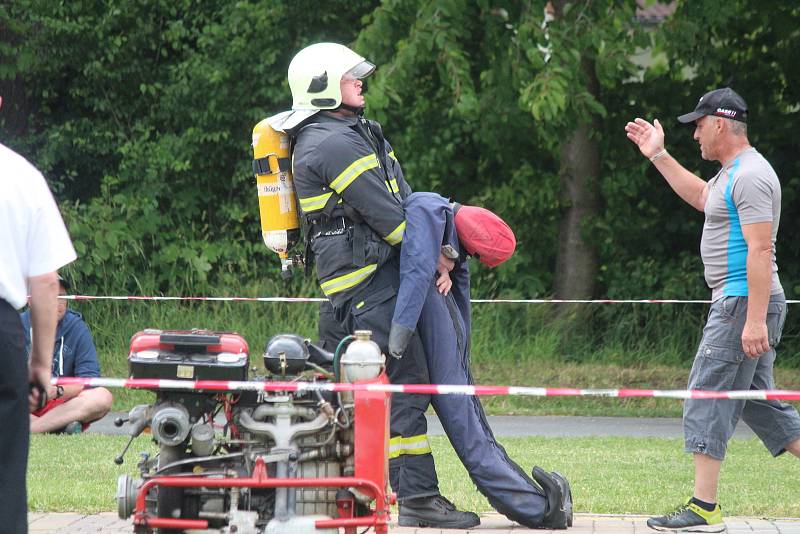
point(434, 227)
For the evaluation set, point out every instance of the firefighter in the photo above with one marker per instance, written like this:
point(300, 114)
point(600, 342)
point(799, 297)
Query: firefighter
point(440, 310)
point(350, 188)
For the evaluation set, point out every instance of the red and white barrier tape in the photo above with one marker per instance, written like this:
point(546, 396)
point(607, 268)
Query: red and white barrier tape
point(218, 299)
point(426, 389)
point(319, 299)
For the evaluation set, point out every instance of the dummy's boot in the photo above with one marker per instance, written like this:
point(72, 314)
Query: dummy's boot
point(434, 511)
point(567, 492)
point(556, 490)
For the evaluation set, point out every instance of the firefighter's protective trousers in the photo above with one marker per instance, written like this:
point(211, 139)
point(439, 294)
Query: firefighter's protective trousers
point(350, 189)
point(443, 323)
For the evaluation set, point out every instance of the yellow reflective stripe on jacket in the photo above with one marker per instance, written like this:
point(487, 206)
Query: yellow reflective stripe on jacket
point(314, 203)
point(352, 172)
point(399, 445)
point(392, 186)
point(346, 281)
point(397, 234)
point(391, 155)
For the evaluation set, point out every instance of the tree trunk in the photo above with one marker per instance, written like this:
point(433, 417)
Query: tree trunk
point(576, 263)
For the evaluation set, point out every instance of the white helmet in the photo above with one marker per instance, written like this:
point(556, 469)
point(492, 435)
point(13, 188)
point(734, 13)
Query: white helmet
point(315, 76)
point(316, 72)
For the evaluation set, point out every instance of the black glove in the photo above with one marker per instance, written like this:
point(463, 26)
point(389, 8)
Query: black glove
point(399, 336)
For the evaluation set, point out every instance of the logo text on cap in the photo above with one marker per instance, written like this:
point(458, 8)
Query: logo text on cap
point(726, 112)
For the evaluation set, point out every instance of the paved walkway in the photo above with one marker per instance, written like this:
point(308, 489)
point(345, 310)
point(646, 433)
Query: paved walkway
point(492, 523)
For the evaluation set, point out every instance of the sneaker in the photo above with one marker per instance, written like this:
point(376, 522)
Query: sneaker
point(689, 518)
point(75, 427)
point(556, 491)
point(435, 511)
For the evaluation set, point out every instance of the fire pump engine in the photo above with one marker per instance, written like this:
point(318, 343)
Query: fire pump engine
point(252, 461)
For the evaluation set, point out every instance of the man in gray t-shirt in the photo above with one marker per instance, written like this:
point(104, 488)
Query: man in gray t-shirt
point(745, 191)
point(742, 206)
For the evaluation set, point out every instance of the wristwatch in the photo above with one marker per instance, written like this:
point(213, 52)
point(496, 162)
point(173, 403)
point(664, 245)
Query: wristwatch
point(59, 391)
point(449, 252)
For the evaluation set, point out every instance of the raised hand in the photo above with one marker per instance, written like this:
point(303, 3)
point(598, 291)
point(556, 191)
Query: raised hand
point(648, 137)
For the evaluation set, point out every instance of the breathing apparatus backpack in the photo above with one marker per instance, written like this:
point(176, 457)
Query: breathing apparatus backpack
point(281, 222)
point(277, 201)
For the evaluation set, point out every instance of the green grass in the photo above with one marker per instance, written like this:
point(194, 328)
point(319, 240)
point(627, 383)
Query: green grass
point(608, 475)
point(640, 475)
point(77, 473)
point(527, 345)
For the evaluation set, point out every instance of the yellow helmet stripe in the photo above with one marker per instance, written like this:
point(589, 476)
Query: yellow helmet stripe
point(397, 234)
point(353, 171)
point(314, 203)
point(346, 281)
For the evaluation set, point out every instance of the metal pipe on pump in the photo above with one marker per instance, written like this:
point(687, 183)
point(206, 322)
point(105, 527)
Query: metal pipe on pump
point(280, 226)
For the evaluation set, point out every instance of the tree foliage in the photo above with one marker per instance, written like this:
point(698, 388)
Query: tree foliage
point(142, 121)
point(140, 113)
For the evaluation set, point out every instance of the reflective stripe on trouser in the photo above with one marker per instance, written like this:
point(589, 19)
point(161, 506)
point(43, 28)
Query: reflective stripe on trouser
point(410, 475)
point(399, 445)
point(506, 486)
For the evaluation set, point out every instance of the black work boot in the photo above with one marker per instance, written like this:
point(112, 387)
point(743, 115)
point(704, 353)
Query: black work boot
point(434, 511)
point(567, 492)
point(555, 516)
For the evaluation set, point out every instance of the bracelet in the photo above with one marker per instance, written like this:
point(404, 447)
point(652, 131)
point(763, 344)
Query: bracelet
point(657, 155)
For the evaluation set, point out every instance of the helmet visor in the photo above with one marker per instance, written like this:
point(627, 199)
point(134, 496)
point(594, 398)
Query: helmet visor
point(362, 70)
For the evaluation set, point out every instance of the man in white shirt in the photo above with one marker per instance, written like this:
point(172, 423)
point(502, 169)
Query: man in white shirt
point(34, 244)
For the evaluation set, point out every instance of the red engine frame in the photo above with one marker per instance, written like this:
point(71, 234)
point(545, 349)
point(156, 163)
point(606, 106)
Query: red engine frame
point(371, 449)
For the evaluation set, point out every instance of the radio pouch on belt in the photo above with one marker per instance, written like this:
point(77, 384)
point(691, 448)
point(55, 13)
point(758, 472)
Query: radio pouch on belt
point(359, 236)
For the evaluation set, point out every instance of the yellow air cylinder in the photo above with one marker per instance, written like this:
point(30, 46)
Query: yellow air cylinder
point(280, 226)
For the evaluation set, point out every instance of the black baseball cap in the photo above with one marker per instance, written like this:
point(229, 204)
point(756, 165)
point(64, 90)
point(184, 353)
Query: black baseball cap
point(723, 102)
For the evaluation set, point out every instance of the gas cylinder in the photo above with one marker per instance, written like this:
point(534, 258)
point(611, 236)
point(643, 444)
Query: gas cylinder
point(280, 226)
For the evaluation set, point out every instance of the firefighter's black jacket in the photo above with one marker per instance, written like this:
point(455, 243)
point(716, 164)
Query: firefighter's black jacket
point(350, 187)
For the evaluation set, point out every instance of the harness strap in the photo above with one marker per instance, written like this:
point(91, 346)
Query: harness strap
point(262, 165)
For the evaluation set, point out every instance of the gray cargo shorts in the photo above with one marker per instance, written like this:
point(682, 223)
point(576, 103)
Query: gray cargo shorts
point(721, 364)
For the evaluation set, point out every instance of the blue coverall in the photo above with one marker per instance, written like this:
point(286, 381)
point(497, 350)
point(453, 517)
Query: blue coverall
point(443, 322)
